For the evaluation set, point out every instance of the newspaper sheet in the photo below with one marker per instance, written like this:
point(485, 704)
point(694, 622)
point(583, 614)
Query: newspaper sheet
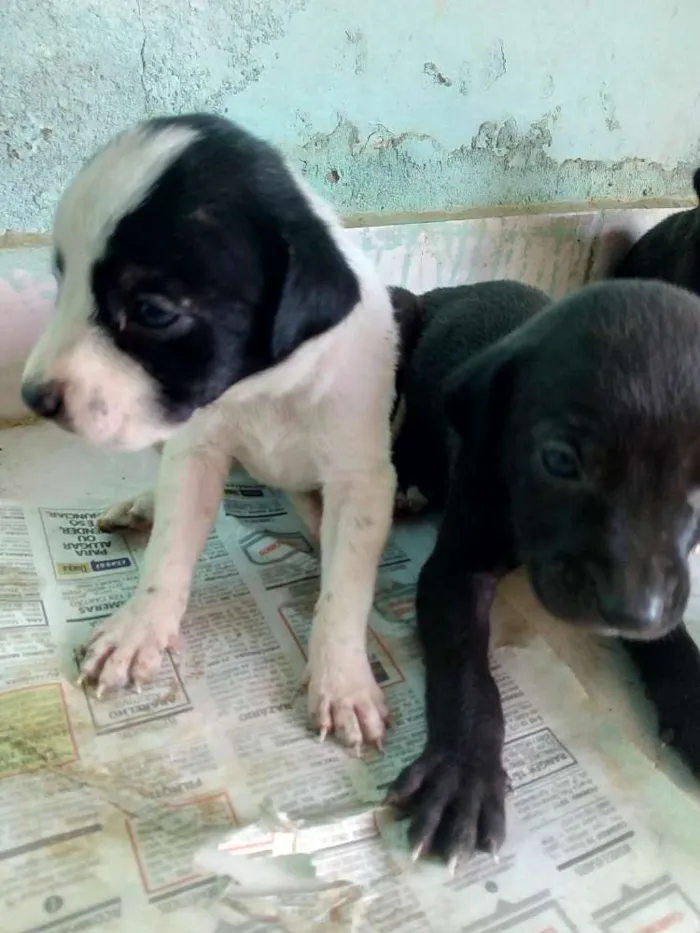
point(205, 803)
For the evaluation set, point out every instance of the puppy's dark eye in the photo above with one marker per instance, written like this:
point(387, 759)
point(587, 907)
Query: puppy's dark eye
point(560, 461)
point(153, 314)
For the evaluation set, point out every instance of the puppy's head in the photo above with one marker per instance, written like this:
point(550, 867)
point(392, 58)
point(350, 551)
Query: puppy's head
point(188, 258)
point(592, 411)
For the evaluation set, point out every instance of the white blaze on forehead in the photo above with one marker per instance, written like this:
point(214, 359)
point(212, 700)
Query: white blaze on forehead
point(113, 183)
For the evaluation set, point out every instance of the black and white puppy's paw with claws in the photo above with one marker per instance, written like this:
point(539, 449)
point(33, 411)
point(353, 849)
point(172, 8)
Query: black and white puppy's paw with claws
point(563, 437)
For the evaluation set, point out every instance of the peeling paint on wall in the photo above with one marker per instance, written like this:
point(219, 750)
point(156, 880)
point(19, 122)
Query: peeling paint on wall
point(500, 165)
point(387, 107)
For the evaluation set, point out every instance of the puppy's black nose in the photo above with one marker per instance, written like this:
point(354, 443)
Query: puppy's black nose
point(643, 612)
point(43, 398)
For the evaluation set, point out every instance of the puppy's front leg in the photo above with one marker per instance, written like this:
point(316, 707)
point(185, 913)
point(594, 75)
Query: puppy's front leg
point(670, 671)
point(129, 648)
point(454, 793)
point(343, 695)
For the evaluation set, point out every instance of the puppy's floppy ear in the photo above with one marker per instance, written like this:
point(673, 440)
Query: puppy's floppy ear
point(320, 290)
point(478, 395)
point(404, 302)
point(409, 314)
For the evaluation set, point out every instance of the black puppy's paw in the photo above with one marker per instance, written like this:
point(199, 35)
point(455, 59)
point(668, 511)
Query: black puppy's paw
point(410, 500)
point(455, 800)
point(669, 669)
point(678, 706)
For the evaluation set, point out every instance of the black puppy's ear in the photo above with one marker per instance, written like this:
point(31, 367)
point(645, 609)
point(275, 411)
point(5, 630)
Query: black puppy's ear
point(403, 301)
point(409, 314)
point(478, 396)
point(320, 290)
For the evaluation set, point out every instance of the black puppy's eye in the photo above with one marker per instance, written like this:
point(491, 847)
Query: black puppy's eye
point(560, 461)
point(153, 314)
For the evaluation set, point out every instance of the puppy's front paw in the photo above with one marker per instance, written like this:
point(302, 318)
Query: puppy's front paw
point(129, 648)
point(455, 800)
point(136, 513)
point(344, 699)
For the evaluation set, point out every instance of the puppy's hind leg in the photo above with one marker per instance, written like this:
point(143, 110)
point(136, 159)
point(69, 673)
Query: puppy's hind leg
point(136, 514)
point(412, 494)
point(309, 508)
point(343, 695)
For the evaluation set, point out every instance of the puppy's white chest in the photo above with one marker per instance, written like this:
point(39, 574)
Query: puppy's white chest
point(275, 449)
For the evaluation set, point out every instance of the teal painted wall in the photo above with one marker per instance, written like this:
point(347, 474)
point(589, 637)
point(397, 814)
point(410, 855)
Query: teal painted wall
point(386, 105)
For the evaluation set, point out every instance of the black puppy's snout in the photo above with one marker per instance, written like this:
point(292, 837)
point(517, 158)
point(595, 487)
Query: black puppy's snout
point(643, 610)
point(636, 598)
point(43, 398)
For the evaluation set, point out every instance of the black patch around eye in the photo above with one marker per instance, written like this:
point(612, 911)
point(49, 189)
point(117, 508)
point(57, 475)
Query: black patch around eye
point(152, 313)
point(59, 264)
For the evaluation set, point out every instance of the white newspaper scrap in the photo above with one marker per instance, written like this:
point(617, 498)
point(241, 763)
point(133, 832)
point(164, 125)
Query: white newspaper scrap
point(206, 803)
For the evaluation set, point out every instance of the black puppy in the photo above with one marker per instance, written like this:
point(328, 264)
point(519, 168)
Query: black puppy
point(670, 251)
point(567, 436)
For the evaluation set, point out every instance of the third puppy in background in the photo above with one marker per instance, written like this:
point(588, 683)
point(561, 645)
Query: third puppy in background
point(670, 251)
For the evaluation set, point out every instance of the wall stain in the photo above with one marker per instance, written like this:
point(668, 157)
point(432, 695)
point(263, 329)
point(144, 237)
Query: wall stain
point(503, 163)
point(430, 68)
point(358, 42)
point(491, 68)
point(464, 79)
point(495, 65)
point(609, 109)
point(142, 59)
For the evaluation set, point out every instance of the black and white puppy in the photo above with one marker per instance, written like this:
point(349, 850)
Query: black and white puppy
point(209, 302)
point(566, 438)
point(670, 251)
